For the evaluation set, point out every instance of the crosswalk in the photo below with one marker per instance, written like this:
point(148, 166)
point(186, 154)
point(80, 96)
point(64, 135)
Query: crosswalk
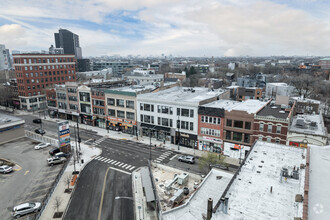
point(115, 163)
point(97, 142)
point(163, 156)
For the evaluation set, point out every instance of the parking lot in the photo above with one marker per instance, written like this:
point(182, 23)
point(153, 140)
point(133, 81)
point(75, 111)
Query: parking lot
point(32, 178)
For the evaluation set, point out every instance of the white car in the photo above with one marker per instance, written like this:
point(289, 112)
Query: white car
point(5, 169)
point(41, 145)
point(26, 208)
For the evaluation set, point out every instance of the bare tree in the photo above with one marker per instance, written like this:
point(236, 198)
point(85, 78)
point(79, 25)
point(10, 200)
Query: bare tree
point(67, 181)
point(57, 204)
point(305, 84)
point(206, 162)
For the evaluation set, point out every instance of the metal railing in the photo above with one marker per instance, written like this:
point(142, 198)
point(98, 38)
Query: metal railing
point(40, 138)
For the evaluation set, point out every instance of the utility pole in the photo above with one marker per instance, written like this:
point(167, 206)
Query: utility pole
point(150, 145)
point(178, 125)
point(75, 138)
point(79, 140)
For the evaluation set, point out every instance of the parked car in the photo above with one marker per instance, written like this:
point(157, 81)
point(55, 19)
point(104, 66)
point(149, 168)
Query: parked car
point(55, 160)
point(26, 208)
point(54, 151)
point(41, 145)
point(187, 159)
point(61, 154)
point(39, 131)
point(37, 121)
point(5, 169)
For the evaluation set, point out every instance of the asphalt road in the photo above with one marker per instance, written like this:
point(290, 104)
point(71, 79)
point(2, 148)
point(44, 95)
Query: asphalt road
point(32, 179)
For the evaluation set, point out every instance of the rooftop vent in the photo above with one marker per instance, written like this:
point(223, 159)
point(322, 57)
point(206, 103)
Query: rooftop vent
point(300, 123)
point(282, 112)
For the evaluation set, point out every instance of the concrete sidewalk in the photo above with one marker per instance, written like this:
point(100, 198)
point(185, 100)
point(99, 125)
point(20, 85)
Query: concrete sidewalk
point(88, 153)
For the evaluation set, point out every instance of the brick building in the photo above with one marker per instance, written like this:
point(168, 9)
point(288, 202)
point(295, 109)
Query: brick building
point(271, 123)
point(99, 107)
point(210, 128)
point(35, 72)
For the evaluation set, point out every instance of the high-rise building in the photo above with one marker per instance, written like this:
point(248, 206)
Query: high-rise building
point(69, 42)
point(35, 72)
point(5, 61)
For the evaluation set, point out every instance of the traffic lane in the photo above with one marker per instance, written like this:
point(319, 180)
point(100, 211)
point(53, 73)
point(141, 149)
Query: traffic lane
point(91, 185)
point(32, 179)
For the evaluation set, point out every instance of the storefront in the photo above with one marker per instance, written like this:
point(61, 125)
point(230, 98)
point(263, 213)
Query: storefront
point(62, 114)
point(122, 125)
point(86, 119)
point(100, 122)
point(187, 140)
point(158, 132)
point(210, 144)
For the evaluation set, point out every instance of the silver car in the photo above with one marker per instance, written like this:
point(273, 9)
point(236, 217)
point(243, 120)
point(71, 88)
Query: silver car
point(26, 208)
point(5, 169)
point(55, 160)
point(41, 145)
point(187, 159)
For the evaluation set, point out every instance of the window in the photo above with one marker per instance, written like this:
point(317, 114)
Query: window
point(261, 126)
point(129, 104)
point(246, 138)
point(277, 140)
point(178, 111)
point(202, 119)
point(268, 139)
point(147, 107)
point(120, 114)
point(111, 101)
point(185, 125)
point(229, 122)
point(112, 112)
point(185, 112)
point(219, 121)
point(270, 127)
point(260, 138)
point(228, 135)
point(191, 113)
point(237, 136)
point(130, 115)
point(191, 126)
point(120, 103)
point(238, 124)
point(278, 129)
point(247, 125)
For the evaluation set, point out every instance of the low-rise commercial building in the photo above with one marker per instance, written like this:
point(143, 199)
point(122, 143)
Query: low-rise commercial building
point(11, 128)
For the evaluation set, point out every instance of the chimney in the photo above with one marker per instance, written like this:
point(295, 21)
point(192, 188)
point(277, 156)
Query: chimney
point(209, 208)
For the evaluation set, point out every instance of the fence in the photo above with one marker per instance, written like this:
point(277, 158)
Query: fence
point(40, 138)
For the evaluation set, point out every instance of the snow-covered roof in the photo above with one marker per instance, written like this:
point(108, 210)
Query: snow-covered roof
point(181, 95)
point(301, 99)
point(319, 178)
point(9, 120)
point(277, 84)
point(212, 187)
point(259, 191)
point(251, 106)
point(308, 124)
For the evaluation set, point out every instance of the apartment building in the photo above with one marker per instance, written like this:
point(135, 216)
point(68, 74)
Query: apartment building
point(85, 105)
point(35, 72)
point(172, 114)
point(99, 107)
point(272, 122)
point(241, 94)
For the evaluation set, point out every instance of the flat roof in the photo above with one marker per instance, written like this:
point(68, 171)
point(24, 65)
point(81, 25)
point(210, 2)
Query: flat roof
point(250, 195)
point(181, 95)
point(251, 106)
point(274, 111)
point(319, 178)
point(213, 186)
point(306, 122)
point(278, 84)
point(7, 120)
point(300, 99)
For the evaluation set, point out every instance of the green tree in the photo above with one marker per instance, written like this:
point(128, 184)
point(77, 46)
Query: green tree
point(206, 162)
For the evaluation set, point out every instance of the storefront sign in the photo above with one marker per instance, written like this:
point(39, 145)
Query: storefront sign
point(213, 140)
point(63, 133)
point(184, 135)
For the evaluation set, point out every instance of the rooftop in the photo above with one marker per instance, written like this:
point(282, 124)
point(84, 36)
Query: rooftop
point(319, 178)
point(308, 124)
point(251, 106)
point(213, 186)
point(9, 120)
point(262, 190)
point(278, 84)
point(301, 99)
point(274, 111)
point(182, 95)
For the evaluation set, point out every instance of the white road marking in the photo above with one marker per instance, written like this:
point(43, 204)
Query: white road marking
point(113, 162)
point(120, 164)
point(107, 160)
point(132, 168)
point(97, 157)
point(128, 167)
point(125, 166)
point(120, 170)
point(103, 159)
point(110, 161)
point(173, 157)
point(117, 163)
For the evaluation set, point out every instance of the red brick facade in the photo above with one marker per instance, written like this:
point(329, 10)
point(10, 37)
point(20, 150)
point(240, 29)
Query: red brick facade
point(274, 136)
point(35, 72)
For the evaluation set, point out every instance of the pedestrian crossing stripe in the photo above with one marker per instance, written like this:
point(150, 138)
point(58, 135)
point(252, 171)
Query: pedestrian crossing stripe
point(120, 164)
point(117, 163)
point(107, 160)
point(113, 162)
point(125, 165)
point(128, 166)
point(97, 157)
point(132, 168)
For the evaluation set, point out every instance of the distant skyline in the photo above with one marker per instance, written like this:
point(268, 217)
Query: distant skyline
point(177, 27)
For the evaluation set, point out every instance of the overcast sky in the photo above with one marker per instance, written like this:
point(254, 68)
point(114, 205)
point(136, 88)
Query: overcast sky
point(177, 27)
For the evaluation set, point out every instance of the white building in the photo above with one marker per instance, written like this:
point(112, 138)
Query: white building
point(307, 129)
point(278, 89)
point(5, 61)
point(143, 71)
point(100, 74)
point(140, 79)
point(172, 114)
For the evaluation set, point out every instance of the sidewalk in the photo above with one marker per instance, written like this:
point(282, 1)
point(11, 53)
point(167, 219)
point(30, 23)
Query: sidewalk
point(88, 153)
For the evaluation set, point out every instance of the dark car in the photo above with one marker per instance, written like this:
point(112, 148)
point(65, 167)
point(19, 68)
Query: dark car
point(40, 131)
point(187, 159)
point(54, 151)
point(37, 121)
